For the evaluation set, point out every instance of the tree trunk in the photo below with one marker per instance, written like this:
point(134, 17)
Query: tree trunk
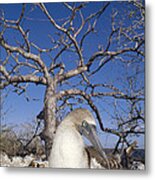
point(49, 117)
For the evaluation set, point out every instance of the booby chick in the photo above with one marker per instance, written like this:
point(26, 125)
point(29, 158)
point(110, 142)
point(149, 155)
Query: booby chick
point(68, 150)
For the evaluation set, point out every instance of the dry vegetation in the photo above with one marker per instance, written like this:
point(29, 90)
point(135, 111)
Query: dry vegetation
point(23, 149)
point(21, 66)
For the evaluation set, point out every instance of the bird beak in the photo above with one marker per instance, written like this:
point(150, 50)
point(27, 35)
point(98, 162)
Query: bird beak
point(90, 133)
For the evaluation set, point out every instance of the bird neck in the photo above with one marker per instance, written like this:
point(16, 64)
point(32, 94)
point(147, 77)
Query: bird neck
point(68, 148)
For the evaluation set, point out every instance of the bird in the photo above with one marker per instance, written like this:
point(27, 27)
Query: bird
point(69, 149)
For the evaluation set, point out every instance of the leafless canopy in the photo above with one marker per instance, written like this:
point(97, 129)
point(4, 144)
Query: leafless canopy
point(24, 61)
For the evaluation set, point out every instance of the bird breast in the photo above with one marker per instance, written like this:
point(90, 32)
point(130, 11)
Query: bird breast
point(68, 149)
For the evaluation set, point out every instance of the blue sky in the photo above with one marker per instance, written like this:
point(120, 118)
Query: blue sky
point(20, 110)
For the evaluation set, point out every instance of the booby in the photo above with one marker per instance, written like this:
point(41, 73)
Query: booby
point(68, 150)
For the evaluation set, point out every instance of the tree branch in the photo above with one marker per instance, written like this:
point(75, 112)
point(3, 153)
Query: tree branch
point(23, 79)
point(25, 54)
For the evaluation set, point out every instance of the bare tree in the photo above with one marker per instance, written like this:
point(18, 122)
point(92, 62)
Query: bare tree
point(24, 62)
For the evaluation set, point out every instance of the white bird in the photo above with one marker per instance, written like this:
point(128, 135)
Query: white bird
point(68, 150)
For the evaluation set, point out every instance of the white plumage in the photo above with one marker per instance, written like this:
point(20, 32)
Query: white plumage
point(68, 149)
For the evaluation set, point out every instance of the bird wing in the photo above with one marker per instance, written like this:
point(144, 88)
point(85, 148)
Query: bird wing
point(97, 161)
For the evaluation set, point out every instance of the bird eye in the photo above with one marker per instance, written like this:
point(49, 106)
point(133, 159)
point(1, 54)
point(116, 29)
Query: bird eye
point(84, 124)
point(86, 127)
